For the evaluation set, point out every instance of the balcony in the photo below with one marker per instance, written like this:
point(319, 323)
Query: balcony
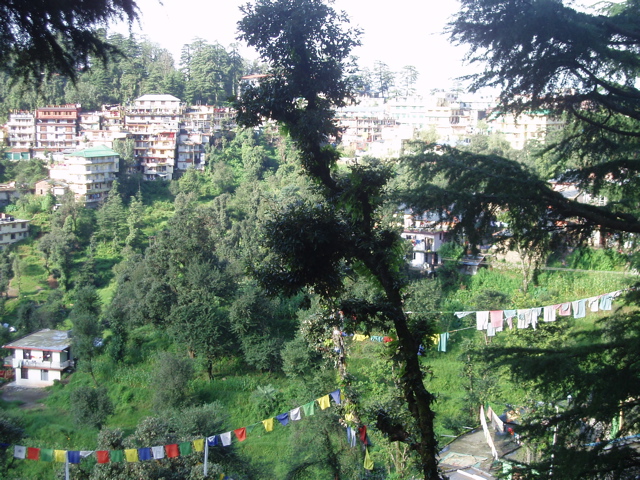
point(33, 363)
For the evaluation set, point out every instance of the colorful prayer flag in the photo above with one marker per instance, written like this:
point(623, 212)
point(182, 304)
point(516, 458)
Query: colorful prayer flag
point(186, 448)
point(131, 454)
point(268, 424)
point(324, 402)
point(225, 438)
point(158, 452)
point(213, 441)
point(198, 445)
point(294, 415)
point(60, 455)
point(241, 434)
point(19, 451)
point(309, 409)
point(144, 454)
point(116, 455)
point(172, 450)
point(283, 418)
point(336, 396)
point(102, 456)
point(46, 454)
point(73, 456)
point(362, 431)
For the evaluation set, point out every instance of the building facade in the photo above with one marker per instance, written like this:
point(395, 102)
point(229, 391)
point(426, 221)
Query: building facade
point(40, 358)
point(89, 173)
point(12, 230)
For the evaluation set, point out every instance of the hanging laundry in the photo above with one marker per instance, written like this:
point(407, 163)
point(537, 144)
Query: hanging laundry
point(442, 344)
point(535, 314)
point(294, 415)
point(579, 308)
point(283, 418)
point(351, 437)
point(508, 316)
point(336, 396)
point(497, 318)
point(368, 463)
point(605, 301)
point(482, 320)
point(524, 317)
point(550, 313)
point(462, 314)
point(362, 433)
point(565, 309)
point(158, 450)
point(592, 303)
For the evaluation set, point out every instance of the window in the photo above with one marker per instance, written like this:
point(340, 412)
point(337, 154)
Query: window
point(46, 356)
point(26, 354)
point(24, 373)
point(44, 375)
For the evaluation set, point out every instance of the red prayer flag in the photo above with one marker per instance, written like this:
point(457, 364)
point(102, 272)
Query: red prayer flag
point(363, 434)
point(33, 453)
point(172, 450)
point(241, 433)
point(387, 339)
point(103, 456)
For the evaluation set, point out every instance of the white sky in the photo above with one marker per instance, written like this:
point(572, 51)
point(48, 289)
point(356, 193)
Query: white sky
point(398, 32)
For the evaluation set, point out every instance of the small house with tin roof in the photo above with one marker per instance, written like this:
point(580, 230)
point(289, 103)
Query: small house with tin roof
point(40, 358)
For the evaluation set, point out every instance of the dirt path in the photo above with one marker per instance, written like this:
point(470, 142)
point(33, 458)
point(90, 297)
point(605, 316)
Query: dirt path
point(30, 397)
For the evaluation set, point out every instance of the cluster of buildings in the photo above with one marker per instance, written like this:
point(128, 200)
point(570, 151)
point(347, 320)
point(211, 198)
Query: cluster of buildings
point(379, 127)
point(167, 134)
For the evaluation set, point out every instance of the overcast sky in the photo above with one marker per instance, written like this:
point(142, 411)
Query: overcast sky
point(398, 32)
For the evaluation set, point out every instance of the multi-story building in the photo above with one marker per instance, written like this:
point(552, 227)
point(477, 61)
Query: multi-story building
point(12, 230)
point(527, 126)
point(40, 358)
point(191, 149)
point(164, 110)
point(89, 173)
point(57, 127)
point(21, 130)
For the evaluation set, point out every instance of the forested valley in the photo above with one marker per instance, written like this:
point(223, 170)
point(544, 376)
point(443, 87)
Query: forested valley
point(208, 312)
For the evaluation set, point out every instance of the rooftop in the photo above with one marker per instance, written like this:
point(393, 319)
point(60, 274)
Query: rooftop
point(50, 340)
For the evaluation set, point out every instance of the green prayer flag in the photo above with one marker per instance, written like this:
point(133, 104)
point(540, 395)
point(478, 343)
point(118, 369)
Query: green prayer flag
point(116, 456)
point(309, 408)
point(185, 448)
point(251, 427)
point(46, 454)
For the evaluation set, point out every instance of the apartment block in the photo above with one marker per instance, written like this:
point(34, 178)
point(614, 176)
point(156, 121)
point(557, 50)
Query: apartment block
point(57, 127)
point(12, 230)
point(89, 173)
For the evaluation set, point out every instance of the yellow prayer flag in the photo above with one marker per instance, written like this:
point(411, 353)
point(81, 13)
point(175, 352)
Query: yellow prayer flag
point(60, 455)
point(268, 424)
point(350, 417)
point(360, 338)
point(198, 445)
point(131, 454)
point(368, 463)
point(324, 402)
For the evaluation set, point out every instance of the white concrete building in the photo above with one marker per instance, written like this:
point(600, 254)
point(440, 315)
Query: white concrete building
point(21, 130)
point(89, 173)
point(12, 230)
point(40, 358)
